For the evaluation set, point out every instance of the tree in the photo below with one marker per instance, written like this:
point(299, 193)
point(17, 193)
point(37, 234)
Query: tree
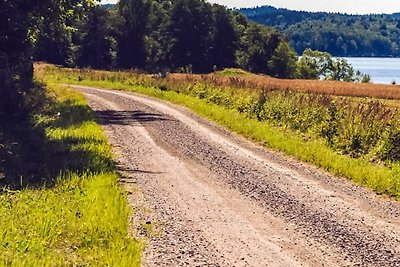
point(158, 41)
point(21, 22)
point(54, 43)
point(189, 29)
point(225, 39)
point(55, 24)
point(283, 62)
point(15, 65)
point(314, 65)
point(321, 65)
point(258, 44)
point(132, 30)
point(97, 47)
point(341, 70)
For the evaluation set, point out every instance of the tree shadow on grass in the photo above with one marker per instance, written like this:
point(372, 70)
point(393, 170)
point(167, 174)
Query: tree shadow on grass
point(36, 161)
point(73, 155)
point(72, 114)
point(21, 154)
point(29, 159)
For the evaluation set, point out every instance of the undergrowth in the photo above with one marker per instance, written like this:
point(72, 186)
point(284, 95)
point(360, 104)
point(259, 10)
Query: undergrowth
point(79, 218)
point(354, 137)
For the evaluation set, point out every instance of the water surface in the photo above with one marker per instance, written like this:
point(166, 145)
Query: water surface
point(382, 70)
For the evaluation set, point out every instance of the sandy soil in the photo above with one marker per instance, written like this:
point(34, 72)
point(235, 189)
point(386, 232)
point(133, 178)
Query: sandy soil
point(214, 199)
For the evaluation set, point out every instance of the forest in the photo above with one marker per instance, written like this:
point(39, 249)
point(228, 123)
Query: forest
point(344, 35)
point(188, 36)
point(179, 36)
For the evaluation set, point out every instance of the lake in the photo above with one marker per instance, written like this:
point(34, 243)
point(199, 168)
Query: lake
point(382, 70)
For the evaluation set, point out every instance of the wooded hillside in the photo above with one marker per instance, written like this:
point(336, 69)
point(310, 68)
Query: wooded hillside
point(338, 34)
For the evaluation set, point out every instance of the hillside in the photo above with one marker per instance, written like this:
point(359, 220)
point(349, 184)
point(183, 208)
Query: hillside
point(339, 34)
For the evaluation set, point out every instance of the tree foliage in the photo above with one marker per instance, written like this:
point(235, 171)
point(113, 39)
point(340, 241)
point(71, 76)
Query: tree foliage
point(180, 35)
point(97, 44)
point(321, 65)
point(258, 45)
point(225, 39)
point(22, 23)
point(283, 61)
point(132, 30)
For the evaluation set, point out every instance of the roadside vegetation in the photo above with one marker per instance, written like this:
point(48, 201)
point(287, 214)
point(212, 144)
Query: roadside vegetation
point(77, 215)
point(357, 138)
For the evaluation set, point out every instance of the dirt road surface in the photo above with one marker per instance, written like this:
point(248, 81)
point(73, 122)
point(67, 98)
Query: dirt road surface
point(214, 199)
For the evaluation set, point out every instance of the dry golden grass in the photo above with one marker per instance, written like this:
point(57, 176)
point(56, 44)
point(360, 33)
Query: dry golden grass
point(260, 82)
point(245, 81)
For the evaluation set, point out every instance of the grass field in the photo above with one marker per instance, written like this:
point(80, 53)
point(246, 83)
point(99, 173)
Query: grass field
point(337, 130)
point(81, 217)
point(239, 79)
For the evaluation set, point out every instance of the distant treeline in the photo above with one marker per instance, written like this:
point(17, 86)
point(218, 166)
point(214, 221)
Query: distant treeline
point(157, 36)
point(338, 34)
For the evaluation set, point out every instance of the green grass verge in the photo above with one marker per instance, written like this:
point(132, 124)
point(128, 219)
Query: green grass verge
point(233, 72)
point(82, 218)
point(379, 178)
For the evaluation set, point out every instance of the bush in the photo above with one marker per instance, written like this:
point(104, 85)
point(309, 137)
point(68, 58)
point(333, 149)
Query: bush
point(390, 149)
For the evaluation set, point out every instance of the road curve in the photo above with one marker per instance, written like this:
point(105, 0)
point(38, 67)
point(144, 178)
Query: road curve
point(222, 201)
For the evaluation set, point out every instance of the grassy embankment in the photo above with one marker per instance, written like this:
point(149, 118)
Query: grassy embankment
point(338, 130)
point(80, 218)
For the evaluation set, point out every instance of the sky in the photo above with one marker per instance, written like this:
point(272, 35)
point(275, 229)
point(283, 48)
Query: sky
point(343, 6)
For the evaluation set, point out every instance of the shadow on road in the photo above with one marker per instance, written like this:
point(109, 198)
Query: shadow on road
point(108, 117)
point(131, 170)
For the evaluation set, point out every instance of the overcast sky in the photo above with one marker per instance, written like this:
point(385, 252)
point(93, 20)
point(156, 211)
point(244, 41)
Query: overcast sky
point(344, 6)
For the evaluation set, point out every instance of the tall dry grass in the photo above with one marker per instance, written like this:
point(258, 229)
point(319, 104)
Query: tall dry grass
point(245, 81)
point(265, 83)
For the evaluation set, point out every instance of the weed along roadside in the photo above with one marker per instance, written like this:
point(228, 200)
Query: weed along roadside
point(350, 136)
point(80, 216)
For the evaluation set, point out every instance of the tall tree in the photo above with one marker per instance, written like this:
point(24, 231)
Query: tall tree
point(132, 30)
point(21, 21)
point(283, 61)
point(189, 27)
point(258, 44)
point(54, 43)
point(56, 22)
point(97, 46)
point(225, 39)
point(158, 41)
point(15, 49)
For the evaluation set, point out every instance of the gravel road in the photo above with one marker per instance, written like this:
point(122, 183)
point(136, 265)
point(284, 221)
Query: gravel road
point(210, 198)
